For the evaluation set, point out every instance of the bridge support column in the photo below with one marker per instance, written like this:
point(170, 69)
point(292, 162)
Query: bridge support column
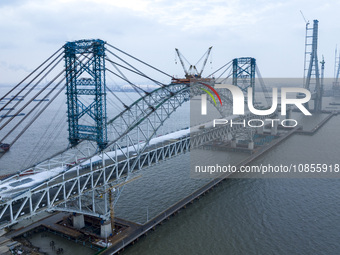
point(233, 143)
point(78, 221)
point(289, 115)
point(273, 130)
point(105, 229)
point(260, 130)
point(251, 145)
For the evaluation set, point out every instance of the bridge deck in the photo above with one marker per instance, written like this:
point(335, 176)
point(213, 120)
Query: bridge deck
point(134, 235)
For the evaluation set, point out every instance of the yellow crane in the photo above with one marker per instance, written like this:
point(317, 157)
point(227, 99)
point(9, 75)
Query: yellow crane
point(112, 189)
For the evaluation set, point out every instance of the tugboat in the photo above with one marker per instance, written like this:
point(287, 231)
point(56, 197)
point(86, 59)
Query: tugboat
point(4, 147)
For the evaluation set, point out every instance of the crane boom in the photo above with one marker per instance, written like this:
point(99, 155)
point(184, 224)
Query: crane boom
point(192, 71)
point(181, 60)
point(303, 16)
point(205, 61)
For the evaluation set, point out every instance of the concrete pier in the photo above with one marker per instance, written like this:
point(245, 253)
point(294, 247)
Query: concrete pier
point(251, 145)
point(260, 130)
point(105, 229)
point(273, 130)
point(233, 143)
point(78, 221)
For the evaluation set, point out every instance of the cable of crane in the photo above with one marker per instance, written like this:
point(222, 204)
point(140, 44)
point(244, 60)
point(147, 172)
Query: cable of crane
point(141, 73)
point(220, 68)
point(30, 123)
point(224, 73)
point(205, 60)
point(34, 97)
point(31, 73)
point(49, 102)
point(207, 52)
point(138, 73)
point(135, 87)
point(230, 73)
point(124, 104)
point(41, 146)
point(44, 88)
point(34, 86)
point(120, 89)
point(115, 97)
point(123, 77)
point(9, 101)
point(139, 60)
point(50, 143)
point(181, 55)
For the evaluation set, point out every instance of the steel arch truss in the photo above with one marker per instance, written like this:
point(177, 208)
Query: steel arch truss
point(79, 188)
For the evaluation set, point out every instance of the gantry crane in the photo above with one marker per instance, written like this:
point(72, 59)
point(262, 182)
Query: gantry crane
point(192, 71)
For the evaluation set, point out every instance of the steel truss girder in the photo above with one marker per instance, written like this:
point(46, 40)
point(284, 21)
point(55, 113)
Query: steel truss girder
point(220, 131)
point(71, 190)
point(80, 193)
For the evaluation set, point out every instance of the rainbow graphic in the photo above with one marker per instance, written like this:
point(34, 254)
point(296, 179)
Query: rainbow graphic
point(211, 95)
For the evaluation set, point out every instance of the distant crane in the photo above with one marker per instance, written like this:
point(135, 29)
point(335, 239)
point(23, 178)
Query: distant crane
point(322, 73)
point(336, 86)
point(311, 75)
point(192, 71)
point(303, 16)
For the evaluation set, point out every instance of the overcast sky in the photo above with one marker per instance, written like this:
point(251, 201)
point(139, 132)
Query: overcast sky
point(271, 31)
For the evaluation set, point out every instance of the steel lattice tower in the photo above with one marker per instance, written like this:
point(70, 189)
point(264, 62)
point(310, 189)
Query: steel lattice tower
point(336, 85)
point(86, 57)
point(311, 74)
point(244, 73)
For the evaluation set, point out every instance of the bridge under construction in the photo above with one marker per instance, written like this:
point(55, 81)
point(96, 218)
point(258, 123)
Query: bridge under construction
point(106, 152)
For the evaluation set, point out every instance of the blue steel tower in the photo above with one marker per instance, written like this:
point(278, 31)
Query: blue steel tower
point(86, 91)
point(244, 73)
point(311, 77)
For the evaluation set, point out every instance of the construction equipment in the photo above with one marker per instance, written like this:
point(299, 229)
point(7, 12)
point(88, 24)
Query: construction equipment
point(311, 77)
point(192, 71)
point(322, 74)
point(336, 85)
point(112, 189)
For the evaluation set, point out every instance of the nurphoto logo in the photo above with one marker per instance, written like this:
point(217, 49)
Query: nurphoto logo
point(239, 99)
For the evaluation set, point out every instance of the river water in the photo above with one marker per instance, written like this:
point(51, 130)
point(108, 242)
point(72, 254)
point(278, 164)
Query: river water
point(248, 215)
point(240, 216)
point(258, 216)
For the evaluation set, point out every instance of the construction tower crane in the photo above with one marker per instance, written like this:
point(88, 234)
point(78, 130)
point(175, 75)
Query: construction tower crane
point(110, 190)
point(192, 71)
point(322, 74)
